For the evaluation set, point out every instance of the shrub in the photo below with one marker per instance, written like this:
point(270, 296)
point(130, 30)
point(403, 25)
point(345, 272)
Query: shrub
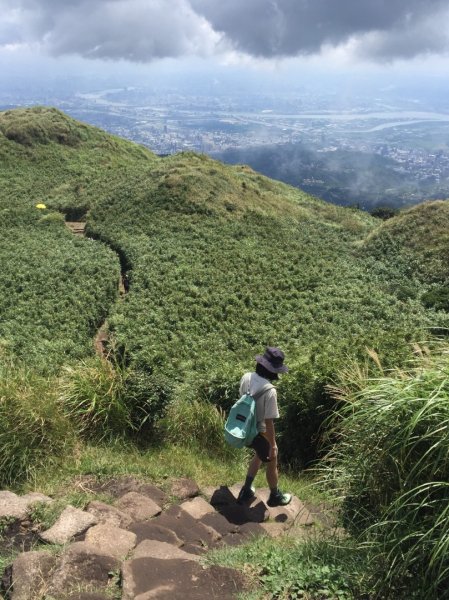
point(437, 298)
point(147, 397)
point(93, 396)
point(391, 466)
point(105, 399)
point(196, 424)
point(304, 403)
point(32, 428)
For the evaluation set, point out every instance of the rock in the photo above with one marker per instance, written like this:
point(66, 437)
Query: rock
point(257, 510)
point(148, 530)
point(153, 492)
point(88, 596)
point(273, 530)
point(138, 507)
point(224, 500)
point(155, 549)
point(186, 527)
point(111, 540)
point(17, 507)
point(251, 530)
point(30, 573)
point(295, 512)
point(208, 491)
point(197, 507)
point(160, 579)
point(219, 523)
point(82, 566)
point(36, 497)
point(184, 488)
point(109, 515)
point(120, 486)
point(71, 522)
point(240, 514)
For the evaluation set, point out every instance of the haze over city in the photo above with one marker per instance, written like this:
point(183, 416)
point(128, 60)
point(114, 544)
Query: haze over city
point(347, 99)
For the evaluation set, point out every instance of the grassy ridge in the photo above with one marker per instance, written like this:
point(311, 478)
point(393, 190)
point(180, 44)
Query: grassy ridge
point(418, 236)
point(223, 261)
point(55, 289)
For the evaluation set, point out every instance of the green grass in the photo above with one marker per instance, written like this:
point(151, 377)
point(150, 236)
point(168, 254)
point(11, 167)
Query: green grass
point(417, 237)
point(391, 468)
point(33, 428)
point(322, 567)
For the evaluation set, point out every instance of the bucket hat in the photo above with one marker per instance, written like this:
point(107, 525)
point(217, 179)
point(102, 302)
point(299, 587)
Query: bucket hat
point(272, 360)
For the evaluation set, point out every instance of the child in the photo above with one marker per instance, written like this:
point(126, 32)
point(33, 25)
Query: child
point(267, 368)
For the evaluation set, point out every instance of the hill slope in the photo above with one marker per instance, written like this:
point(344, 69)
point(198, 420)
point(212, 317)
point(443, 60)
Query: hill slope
point(221, 261)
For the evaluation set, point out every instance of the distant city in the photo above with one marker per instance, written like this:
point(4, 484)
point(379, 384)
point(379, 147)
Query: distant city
point(372, 150)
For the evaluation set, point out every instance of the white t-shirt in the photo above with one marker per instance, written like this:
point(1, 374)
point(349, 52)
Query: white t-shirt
point(266, 404)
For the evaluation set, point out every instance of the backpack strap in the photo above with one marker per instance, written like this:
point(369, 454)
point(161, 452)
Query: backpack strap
point(265, 388)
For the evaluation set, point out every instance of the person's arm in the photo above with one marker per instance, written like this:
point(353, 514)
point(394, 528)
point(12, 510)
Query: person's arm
point(271, 435)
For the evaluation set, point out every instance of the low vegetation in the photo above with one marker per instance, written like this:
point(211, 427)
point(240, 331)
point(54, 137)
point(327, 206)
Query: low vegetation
point(221, 262)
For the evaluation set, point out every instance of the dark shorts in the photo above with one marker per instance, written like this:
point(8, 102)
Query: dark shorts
point(262, 447)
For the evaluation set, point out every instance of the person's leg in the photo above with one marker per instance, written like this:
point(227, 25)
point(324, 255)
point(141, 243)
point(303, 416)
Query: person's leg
point(272, 473)
point(247, 491)
point(254, 466)
point(277, 498)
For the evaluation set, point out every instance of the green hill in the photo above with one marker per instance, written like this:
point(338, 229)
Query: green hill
point(420, 236)
point(221, 262)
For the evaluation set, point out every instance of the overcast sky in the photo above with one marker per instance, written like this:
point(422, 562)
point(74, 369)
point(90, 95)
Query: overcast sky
point(245, 32)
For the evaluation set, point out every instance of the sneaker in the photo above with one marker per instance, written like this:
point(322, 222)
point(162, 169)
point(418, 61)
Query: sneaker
point(246, 494)
point(279, 499)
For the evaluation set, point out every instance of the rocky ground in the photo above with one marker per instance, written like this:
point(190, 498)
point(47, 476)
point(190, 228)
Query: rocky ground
point(146, 544)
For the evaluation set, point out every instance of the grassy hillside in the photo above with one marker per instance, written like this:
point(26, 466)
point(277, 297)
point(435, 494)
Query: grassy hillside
point(419, 236)
point(417, 242)
point(221, 260)
point(55, 289)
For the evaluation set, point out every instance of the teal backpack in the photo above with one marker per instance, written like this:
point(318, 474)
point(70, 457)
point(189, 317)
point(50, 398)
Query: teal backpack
point(241, 425)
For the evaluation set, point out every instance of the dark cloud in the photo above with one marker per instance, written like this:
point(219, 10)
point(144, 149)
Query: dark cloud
point(143, 30)
point(270, 28)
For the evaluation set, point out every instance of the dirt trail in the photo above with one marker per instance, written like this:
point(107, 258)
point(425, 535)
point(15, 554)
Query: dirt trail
point(101, 338)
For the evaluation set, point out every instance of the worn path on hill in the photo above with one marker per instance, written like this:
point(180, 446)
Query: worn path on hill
point(101, 338)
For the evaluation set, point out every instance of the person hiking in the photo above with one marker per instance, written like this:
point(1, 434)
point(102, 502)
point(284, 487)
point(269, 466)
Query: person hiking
point(268, 367)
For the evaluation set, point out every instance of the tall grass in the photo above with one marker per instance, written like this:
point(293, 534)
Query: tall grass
point(391, 466)
point(32, 427)
point(197, 424)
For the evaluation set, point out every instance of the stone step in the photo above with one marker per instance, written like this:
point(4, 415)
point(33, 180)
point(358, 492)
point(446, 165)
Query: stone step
point(146, 578)
point(155, 548)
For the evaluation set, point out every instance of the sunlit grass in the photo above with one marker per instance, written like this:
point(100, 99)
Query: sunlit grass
point(391, 468)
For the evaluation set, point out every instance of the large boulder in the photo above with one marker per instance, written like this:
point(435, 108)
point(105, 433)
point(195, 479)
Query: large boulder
point(13, 506)
point(109, 515)
point(138, 506)
point(176, 579)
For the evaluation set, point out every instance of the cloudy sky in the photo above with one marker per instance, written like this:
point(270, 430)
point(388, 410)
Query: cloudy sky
point(252, 32)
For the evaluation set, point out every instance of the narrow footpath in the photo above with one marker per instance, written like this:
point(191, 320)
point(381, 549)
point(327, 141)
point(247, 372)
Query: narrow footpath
point(101, 339)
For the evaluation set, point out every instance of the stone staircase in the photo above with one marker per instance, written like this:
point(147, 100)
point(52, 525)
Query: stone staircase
point(76, 227)
point(143, 546)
